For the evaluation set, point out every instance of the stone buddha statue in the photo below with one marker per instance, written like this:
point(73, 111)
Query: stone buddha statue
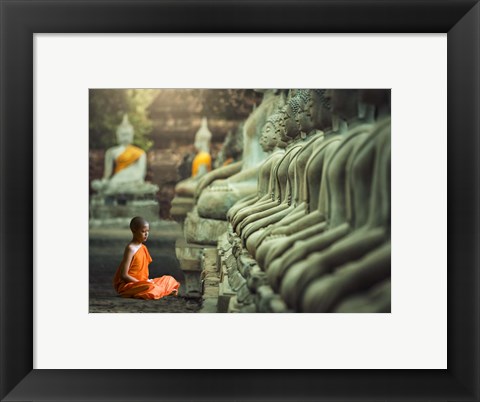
point(315, 182)
point(202, 163)
point(284, 204)
point(288, 130)
point(216, 199)
point(332, 193)
point(125, 166)
point(351, 236)
point(311, 118)
point(223, 187)
point(272, 144)
point(357, 261)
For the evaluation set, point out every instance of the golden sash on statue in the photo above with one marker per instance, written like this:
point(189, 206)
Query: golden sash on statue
point(127, 157)
point(202, 158)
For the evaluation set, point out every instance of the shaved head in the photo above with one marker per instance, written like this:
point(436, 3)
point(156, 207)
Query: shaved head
point(137, 223)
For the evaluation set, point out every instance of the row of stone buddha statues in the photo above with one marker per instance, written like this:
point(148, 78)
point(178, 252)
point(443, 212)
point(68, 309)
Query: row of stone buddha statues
point(302, 222)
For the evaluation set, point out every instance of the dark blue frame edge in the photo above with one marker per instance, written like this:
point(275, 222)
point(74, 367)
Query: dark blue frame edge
point(20, 19)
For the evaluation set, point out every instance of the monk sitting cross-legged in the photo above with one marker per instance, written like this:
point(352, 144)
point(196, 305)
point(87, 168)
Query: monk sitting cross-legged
point(131, 278)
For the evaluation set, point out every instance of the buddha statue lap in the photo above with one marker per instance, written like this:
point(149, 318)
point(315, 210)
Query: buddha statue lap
point(377, 299)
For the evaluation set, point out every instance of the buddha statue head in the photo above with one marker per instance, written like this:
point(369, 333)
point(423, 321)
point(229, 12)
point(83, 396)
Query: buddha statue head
point(290, 126)
point(320, 109)
point(125, 132)
point(303, 117)
point(203, 137)
point(378, 98)
point(344, 102)
point(271, 133)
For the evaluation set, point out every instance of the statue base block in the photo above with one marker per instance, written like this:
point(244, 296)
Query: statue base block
point(203, 231)
point(109, 207)
point(181, 206)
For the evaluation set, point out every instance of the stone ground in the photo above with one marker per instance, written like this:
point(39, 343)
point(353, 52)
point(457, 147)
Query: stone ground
point(106, 250)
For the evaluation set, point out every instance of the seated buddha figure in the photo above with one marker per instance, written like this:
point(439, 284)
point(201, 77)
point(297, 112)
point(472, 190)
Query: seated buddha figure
point(202, 162)
point(289, 131)
point(314, 221)
point(308, 218)
point(216, 197)
point(311, 118)
point(356, 243)
point(272, 144)
point(360, 260)
point(298, 243)
point(125, 166)
point(313, 115)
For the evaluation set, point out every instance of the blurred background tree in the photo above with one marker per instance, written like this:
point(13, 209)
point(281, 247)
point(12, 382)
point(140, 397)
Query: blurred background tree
point(166, 118)
point(106, 110)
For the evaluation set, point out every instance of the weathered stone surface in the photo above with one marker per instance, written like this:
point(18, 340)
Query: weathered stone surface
point(148, 209)
point(256, 278)
point(230, 261)
point(235, 306)
point(263, 297)
point(181, 206)
point(236, 280)
point(225, 293)
point(209, 260)
point(209, 305)
point(188, 250)
point(244, 295)
point(193, 285)
point(189, 255)
point(201, 230)
point(244, 263)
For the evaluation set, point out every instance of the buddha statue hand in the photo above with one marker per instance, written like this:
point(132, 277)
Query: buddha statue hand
point(223, 187)
point(237, 247)
point(99, 185)
point(256, 278)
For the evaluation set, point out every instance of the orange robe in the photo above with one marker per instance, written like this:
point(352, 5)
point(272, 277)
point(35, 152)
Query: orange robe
point(202, 158)
point(143, 289)
point(127, 157)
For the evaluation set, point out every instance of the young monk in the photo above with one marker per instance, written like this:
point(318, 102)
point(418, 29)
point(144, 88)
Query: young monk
point(131, 278)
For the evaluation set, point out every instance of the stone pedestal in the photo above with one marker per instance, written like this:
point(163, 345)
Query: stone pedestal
point(114, 206)
point(203, 231)
point(210, 280)
point(189, 256)
point(181, 206)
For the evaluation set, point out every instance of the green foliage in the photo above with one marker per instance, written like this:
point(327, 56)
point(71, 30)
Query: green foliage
point(106, 110)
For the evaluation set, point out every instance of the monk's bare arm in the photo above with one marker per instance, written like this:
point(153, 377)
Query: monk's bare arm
point(125, 264)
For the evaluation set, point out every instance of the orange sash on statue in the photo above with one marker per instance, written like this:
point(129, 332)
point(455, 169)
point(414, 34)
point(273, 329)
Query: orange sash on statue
point(202, 158)
point(127, 157)
point(143, 289)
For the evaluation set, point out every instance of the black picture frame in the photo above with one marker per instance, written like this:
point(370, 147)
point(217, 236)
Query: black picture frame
point(21, 19)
